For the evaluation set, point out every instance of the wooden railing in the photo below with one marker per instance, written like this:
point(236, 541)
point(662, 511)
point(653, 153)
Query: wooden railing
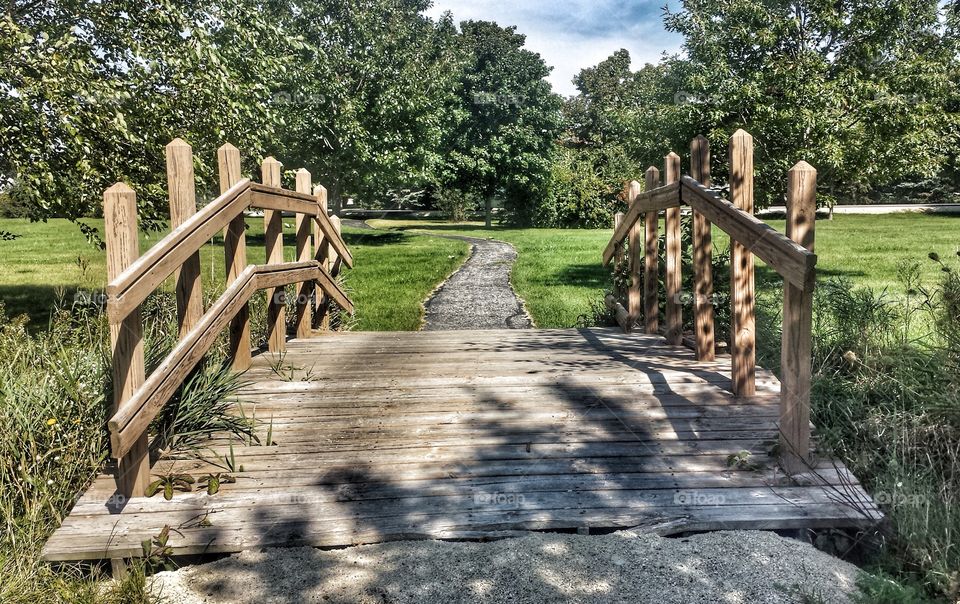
point(791, 256)
point(320, 253)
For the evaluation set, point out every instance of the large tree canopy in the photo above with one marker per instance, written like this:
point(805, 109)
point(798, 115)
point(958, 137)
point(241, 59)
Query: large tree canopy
point(380, 102)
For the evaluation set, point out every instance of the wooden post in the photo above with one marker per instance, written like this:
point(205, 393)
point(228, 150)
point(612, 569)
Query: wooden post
point(651, 276)
point(126, 337)
point(335, 221)
point(273, 239)
point(321, 318)
point(183, 204)
point(702, 256)
point(674, 283)
point(636, 257)
point(795, 354)
point(235, 255)
point(618, 250)
point(304, 253)
point(742, 321)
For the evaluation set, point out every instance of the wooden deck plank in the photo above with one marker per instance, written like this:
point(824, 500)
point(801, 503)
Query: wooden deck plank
point(405, 435)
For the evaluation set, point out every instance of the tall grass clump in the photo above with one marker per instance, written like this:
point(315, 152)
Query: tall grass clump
point(886, 401)
point(55, 393)
point(53, 407)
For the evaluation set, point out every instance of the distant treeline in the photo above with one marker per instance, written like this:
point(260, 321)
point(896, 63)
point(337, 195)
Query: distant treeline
point(395, 109)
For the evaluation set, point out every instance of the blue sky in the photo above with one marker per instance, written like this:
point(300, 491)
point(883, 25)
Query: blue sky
point(573, 34)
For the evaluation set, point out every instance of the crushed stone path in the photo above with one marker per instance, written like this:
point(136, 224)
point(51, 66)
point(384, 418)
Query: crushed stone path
point(478, 295)
point(736, 567)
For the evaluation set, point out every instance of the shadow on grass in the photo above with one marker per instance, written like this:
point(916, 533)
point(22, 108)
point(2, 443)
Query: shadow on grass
point(36, 301)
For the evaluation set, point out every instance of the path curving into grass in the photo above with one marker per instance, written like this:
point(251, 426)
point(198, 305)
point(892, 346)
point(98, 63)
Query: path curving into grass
point(478, 295)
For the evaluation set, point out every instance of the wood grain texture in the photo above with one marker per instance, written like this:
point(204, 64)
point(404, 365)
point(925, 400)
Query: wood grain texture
point(651, 253)
point(235, 256)
point(618, 253)
point(596, 429)
point(673, 280)
point(134, 415)
point(126, 337)
point(304, 224)
point(273, 241)
point(796, 345)
point(792, 261)
point(183, 204)
point(742, 319)
point(635, 245)
point(702, 256)
point(667, 196)
point(321, 316)
point(131, 287)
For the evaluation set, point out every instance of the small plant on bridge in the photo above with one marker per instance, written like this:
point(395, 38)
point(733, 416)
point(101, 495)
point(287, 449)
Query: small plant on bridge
point(212, 482)
point(170, 483)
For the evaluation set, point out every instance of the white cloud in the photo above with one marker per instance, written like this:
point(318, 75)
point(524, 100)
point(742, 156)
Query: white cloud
point(573, 34)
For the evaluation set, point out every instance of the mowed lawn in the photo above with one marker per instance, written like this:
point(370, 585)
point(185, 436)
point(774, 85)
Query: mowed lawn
point(558, 271)
point(394, 271)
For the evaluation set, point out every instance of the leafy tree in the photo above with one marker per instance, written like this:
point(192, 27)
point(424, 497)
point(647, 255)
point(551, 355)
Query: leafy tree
point(857, 89)
point(93, 91)
point(509, 118)
point(367, 104)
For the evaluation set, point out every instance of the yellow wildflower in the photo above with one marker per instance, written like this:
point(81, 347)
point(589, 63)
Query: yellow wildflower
point(52, 421)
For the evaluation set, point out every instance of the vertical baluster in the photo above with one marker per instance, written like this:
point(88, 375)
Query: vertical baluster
point(183, 204)
point(126, 337)
point(304, 253)
point(618, 251)
point(795, 355)
point(702, 256)
point(235, 256)
point(321, 318)
point(742, 321)
point(273, 237)
point(636, 258)
point(674, 283)
point(651, 276)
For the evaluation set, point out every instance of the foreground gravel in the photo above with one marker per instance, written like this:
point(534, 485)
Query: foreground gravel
point(726, 567)
point(478, 295)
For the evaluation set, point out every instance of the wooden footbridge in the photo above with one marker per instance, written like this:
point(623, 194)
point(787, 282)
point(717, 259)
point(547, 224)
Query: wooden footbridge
point(369, 437)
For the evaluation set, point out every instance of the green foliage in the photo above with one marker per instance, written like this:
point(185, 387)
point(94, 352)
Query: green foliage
point(885, 401)
point(502, 141)
point(457, 205)
point(203, 407)
point(168, 483)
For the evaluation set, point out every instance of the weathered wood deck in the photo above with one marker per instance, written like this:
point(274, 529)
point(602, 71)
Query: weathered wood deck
point(479, 434)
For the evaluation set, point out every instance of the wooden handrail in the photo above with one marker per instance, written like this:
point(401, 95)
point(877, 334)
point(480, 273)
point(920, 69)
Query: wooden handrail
point(132, 279)
point(791, 260)
point(136, 413)
point(131, 287)
point(667, 196)
point(790, 255)
point(141, 278)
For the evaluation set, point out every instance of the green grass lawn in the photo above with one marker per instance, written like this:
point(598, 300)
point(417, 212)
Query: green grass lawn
point(394, 271)
point(558, 271)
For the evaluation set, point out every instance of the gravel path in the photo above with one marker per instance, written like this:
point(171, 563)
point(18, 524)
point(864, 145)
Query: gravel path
point(729, 567)
point(478, 295)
